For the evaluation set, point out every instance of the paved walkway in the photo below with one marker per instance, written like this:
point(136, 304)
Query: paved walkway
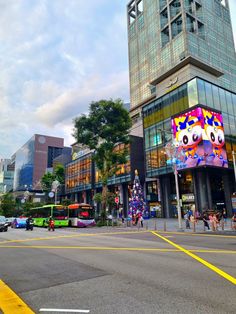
point(171, 224)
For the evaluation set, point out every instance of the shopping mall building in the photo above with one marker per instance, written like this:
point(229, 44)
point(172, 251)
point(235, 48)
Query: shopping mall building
point(181, 57)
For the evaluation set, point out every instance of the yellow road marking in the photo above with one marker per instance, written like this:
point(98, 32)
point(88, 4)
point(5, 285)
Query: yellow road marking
point(71, 236)
point(87, 248)
point(10, 302)
point(110, 233)
point(196, 234)
point(111, 248)
point(199, 259)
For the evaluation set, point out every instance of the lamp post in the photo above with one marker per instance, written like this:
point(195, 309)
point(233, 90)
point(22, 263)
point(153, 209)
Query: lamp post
point(55, 185)
point(172, 151)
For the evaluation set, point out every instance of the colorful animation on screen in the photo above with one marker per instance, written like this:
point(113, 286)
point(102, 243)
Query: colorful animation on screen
point(200, 134)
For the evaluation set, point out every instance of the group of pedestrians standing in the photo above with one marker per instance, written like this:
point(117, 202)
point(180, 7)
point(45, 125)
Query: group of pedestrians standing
point(211, 219)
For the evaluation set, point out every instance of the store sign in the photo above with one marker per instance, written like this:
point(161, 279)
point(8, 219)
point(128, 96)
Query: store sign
point(188, 198)
point(199, 134)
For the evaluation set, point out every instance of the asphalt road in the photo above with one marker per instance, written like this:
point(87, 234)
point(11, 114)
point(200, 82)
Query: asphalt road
point(120, 271)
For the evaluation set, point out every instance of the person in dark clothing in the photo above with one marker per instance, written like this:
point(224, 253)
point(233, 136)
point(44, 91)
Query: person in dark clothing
point(206, 224)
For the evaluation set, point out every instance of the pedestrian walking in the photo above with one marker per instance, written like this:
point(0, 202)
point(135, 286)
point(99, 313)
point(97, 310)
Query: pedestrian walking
point(234, 221)
point(141, 220)
point(224, 216)
point(206, 224)
point(186, 218)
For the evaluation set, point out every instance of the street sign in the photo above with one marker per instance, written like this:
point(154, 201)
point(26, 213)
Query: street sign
point(117, 200)
point(51, 194)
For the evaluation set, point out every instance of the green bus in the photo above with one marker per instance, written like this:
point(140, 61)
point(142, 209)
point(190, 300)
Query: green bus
point(59, 213)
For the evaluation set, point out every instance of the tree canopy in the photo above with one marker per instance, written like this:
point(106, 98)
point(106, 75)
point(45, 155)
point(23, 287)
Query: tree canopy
point(106, 125)
point(48, 178)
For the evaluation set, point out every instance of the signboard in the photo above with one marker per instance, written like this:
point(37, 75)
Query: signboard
point(117, 200)
point(51, 194)
point(199, 133)
point(188, 198)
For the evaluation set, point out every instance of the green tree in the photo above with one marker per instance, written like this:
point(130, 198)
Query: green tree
point(59, 173)
point(48, 178)
point(46, 181)
point(8, 205)
point(106, 125)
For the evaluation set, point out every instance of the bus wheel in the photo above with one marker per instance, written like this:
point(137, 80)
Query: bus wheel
point(69, 224)
point(44, 225)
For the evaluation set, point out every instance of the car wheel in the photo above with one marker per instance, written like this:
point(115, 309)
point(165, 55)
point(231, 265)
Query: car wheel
point(5, 230)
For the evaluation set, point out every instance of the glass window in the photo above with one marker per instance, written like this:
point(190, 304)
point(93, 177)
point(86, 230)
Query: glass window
point(216, 97)
point(223, 100)
point(201, 92)
point(234, 103)
point(209, 99)
point(229, 103)
point(192, 93)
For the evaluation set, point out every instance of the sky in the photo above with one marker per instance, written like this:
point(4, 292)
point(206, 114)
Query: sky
point(56, 57)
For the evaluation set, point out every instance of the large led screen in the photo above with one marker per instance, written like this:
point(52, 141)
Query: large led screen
point(199, 137)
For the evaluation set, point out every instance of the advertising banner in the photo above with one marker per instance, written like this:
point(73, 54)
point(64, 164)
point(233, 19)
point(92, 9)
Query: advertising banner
point(199, 133)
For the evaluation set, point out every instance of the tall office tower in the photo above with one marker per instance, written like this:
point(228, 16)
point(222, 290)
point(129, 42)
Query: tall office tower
point(181, 55)
point(6, 175)
point(172, 41)
point(32, 160)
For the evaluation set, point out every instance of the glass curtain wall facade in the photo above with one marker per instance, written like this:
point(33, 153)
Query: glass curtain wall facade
point(79, 174)
point(157, 132)
point(165, 34)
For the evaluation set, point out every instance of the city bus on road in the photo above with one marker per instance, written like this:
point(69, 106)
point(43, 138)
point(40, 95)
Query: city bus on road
point(41, 215)
point(81, 215)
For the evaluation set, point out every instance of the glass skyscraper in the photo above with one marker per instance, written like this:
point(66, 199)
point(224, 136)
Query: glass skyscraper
point(181, 54)
point(169, 37)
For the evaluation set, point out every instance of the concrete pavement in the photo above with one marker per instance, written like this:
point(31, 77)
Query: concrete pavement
point(172, 225)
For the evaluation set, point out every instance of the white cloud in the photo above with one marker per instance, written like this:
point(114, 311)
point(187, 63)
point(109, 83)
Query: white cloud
point(55, 58)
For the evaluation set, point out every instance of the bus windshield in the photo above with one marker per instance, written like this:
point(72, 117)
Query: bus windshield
point(85, 213)
point(60, 212)
point(81, 211)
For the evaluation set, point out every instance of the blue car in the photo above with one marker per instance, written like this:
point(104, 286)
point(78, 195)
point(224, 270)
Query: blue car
point(19, 223)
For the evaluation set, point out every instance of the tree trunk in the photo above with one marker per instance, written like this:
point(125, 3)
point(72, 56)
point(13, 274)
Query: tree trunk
point(104, 202)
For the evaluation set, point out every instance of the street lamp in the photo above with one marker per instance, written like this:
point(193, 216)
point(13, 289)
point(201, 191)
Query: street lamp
point(55, 185)
point(171, 149)
point(172, 152)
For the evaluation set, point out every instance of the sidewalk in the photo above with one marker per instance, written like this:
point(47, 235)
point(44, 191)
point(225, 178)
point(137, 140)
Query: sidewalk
point(171, 225)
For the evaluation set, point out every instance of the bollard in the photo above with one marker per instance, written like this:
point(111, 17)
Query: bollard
point(147, 225)
point(107, 223)
point(138, 225)
point(194, 226)
point(155, 225)
point(164, 225)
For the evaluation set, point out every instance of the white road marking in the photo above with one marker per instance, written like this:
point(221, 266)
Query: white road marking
point(64, 310)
